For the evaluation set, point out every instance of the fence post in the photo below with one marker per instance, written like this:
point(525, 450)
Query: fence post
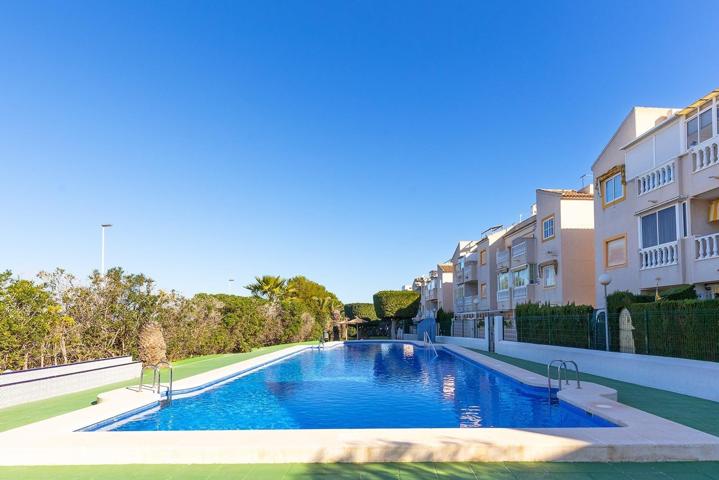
point(549, 327)
point(646, 332)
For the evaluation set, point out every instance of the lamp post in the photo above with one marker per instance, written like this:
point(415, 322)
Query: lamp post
point(605, 279)
point(229, 283)
point(102, 248)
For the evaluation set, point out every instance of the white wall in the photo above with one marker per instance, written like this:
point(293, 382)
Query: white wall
point(469, 342)
point(690, 377)
point(51, 386)
point(53, 371)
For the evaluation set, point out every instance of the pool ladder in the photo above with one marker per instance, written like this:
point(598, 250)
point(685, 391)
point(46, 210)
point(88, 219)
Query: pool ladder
point(561, 366)
point(157, 385)
point(428, 342)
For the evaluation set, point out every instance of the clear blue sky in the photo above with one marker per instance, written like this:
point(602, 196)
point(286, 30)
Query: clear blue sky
point(352, 142)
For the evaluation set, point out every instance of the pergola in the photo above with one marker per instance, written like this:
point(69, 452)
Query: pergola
point(355, 321)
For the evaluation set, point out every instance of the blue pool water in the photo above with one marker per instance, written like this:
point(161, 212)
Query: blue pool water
point(365, 385)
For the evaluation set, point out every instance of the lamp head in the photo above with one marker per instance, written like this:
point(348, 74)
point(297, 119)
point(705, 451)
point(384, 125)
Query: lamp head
point(605, 279)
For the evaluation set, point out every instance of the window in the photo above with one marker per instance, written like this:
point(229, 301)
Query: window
point(503, 281)
point(482, 257)
point(483, 290)
point(659, 227)
point(525, 276)
point(548, 228)
point(613, 189)
point(692, 132)
point(549, 274)
point(685, 223)
point(705, 125)
point(615, 251)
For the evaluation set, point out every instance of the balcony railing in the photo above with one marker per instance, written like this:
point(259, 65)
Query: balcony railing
point(432, 294)
point(706, 246)
point(705, 155)
point(502, 258)
point(503, 295)
point(659, 256)
point(656, 178)
point(519, 249)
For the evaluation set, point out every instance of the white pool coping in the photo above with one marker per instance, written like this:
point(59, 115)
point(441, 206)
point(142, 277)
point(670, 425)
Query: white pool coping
point(643, 437)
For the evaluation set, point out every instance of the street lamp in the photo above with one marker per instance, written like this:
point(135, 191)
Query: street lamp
point(605, 279)
point(102, 249)
point(229, 283)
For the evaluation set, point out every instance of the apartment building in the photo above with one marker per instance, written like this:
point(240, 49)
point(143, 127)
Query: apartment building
point(548, 257)
point(657, 200)
point(435, 291)
point(475, 282)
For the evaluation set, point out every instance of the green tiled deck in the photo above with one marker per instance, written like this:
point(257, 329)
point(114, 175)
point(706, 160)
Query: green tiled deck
point(383, 471)
point(700, 414)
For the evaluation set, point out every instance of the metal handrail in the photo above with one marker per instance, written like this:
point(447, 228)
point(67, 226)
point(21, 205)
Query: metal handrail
point(156, 378)
point(428, 341)
point(561, 367)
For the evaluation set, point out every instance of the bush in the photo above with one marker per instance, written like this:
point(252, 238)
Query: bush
point(677, 328)
point(444, 322)
point(152, 348)
point(563, 325)
point(361, 310)
point(623, 298)
point(396, 304)
point(682, 292)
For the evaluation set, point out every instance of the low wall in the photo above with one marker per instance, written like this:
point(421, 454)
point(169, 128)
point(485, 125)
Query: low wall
point(468, 342)
point(54, 384)
point(52, 371)
point(690, 377)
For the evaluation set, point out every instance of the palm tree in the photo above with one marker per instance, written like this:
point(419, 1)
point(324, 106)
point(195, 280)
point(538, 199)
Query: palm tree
point(268, 286)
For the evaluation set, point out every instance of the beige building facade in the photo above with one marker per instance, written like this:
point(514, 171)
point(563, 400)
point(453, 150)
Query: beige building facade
point(657, 201)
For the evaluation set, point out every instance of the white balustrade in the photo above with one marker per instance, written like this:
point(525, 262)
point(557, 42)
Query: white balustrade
point(705, 155)
point(656, 178)
point(659, 256)
point(502, 295)
point(706, 246)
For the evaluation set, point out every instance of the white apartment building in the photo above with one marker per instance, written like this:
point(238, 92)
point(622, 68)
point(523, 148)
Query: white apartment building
point(435, 291)
point(657, 200)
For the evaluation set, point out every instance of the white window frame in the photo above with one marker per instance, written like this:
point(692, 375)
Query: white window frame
point(606, 199)
point(545, 277)
point(677, 225)
point(545, 222)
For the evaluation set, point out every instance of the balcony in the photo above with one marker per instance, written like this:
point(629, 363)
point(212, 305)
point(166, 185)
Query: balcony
point(470, 273)
point(523, 252)
point(503, 295)
point(706, 247)
point(705, 155)
point(662, 255)
point(432, 294)
point(656, 178)
point(502, 259)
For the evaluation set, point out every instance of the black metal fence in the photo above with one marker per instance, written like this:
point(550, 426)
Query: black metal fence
point(689, 335)
point(472, 328)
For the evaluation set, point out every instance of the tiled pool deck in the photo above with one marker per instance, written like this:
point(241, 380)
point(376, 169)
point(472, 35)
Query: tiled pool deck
point(696, 413)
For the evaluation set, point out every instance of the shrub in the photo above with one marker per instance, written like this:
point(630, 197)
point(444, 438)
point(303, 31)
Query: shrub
point(564, 325)
point(677, 328)
point(152, 348)
point(623, 298)
point(361, 310)
point(444, 322)
point(396, 304)
point(682, 292)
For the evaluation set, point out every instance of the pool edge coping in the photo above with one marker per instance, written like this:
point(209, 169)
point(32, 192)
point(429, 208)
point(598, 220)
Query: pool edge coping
point(645, 437)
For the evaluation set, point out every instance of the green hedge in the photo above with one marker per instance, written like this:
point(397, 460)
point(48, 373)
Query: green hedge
point(677, 328)
point(564, 325)
point(361, 310)
point(396, 304)
point(444, 322)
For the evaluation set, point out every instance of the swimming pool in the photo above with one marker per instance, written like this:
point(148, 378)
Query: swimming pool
point(364, 385)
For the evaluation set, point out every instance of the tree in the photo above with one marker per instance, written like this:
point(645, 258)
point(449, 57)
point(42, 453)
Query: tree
point(365, 311)
point(396, 305)
point(270, 287)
